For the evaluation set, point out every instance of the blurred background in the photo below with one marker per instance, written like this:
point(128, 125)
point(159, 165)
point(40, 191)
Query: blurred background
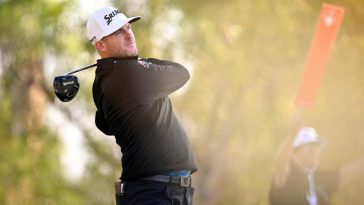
point(246, 59)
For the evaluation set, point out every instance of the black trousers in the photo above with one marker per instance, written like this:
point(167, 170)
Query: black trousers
point(154, 193)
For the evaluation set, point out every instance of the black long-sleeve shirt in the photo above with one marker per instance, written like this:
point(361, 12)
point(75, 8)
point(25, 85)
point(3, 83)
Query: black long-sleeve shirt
point(133, 105)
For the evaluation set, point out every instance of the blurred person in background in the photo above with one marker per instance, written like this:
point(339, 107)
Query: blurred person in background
point(131, 97)
point(296, 180)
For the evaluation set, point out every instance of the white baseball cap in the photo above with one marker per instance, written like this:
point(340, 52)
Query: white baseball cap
point(307, 135)
point(106, 21)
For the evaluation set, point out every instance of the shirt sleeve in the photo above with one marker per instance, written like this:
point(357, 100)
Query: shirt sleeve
point(150, 79)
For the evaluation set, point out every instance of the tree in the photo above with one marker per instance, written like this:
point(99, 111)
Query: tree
point(30, 170)
point(245, 57)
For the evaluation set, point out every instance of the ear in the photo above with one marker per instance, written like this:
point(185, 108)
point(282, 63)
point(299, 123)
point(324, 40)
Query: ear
point(100, 46)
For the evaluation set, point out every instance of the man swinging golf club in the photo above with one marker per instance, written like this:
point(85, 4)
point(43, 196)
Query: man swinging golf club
point(131, 97)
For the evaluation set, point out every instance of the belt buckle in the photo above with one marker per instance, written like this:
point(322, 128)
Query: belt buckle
point(119, 187)
point(185, 181)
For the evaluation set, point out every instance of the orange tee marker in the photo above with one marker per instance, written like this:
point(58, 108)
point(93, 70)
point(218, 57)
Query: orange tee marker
point(324, 37)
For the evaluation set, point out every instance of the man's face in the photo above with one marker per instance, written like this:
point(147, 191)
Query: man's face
point(121, 43)
point(309, 155)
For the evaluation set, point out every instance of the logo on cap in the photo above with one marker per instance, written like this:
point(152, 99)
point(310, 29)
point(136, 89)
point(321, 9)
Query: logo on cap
point(111, 15)
point(93, 39)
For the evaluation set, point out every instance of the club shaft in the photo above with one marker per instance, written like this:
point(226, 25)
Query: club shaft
point(81, 69)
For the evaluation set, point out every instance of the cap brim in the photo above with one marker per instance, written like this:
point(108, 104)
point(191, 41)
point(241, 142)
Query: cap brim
point(133, 19)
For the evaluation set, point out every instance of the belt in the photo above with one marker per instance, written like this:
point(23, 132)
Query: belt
point(180, 181)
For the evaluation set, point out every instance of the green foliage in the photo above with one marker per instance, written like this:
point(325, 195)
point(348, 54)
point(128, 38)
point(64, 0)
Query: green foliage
point(30, 171)
point(246, 58)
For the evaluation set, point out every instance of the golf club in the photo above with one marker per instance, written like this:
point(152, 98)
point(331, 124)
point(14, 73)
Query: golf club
point(66, 86)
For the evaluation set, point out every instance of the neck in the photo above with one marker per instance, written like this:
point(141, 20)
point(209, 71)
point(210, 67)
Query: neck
point(301, 167)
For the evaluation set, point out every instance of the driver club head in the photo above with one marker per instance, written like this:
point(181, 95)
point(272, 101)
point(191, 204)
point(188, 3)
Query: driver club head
point(66, 87)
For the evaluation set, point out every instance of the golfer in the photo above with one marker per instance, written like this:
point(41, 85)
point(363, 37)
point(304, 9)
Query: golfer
point(131, 97)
